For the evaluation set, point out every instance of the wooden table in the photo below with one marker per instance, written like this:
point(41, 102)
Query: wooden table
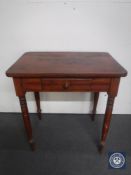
point(66, 72)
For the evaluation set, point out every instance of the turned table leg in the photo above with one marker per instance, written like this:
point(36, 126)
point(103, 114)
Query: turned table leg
point(37, 99)
point(26, 120)
point(96, 97)
point(107, 120)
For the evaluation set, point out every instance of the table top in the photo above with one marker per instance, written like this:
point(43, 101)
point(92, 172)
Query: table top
point(66, 65)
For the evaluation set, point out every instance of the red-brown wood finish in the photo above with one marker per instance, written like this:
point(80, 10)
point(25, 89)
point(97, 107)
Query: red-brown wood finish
point(26, 120)
point(66, 72)
point(66, 65)
point(37, 99)
point(96, 97)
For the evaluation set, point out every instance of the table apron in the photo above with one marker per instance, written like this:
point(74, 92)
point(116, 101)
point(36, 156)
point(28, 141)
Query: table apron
point(65, 85)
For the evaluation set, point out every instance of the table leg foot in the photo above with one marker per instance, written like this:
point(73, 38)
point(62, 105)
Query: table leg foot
point(101, 147)
point(39, 114)
point(32, 145)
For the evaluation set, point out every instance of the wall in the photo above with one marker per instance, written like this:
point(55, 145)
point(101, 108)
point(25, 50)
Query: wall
point(39, 25)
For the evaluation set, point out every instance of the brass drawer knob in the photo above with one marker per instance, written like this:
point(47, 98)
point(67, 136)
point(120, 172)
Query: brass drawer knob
point(66, 85)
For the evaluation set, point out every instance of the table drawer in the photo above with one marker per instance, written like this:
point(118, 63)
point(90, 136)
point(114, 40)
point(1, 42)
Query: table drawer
point(32, 84)
point(57, 85)
point(78, 85)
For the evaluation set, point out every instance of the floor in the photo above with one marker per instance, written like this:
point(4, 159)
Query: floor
point(66, 145)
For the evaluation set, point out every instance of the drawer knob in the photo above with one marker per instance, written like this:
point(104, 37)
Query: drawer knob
point(66, 85)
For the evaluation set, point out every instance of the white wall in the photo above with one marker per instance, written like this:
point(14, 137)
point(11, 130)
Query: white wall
point(39, 25)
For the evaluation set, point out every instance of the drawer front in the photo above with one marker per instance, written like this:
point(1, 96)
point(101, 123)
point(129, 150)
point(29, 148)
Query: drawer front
point(76, 85)
point(63, 85)
point(32, 84)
